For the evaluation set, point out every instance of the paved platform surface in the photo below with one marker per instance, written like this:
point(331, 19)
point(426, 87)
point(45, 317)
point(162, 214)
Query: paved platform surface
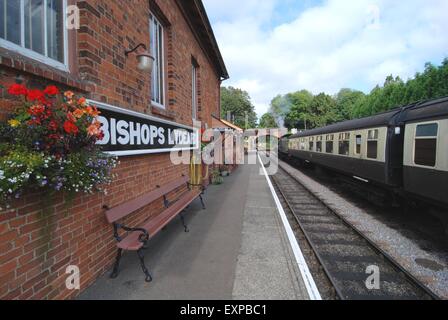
point(236, 249)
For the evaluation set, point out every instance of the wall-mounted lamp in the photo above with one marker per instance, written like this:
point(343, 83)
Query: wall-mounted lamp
point(144, 58)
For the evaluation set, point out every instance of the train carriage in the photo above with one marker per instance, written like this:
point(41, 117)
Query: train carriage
point(425, 161)
point(404, 149)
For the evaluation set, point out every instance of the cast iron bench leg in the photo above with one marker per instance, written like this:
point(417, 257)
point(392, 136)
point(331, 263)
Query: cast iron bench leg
point(183, 223)
point(202, 202)
point(142, 263)
point(115, 271)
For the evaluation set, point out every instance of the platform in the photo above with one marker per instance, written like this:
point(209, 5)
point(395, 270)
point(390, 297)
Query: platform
point(236, 249)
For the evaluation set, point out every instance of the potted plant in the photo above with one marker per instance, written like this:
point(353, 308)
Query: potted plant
point(49, 144)
point(216, 178)
point(224, 170)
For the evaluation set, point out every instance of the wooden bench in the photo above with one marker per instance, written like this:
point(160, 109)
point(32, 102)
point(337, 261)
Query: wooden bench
point(137, 238)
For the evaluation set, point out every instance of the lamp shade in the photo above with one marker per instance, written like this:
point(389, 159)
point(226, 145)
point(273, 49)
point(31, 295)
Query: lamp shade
point(145, 61)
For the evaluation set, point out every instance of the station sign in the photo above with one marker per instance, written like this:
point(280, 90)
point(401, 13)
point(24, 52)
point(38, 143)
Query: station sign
point(128, 132)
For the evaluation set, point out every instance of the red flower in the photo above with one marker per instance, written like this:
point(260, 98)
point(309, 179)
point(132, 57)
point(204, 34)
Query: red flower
point(36, 95)
point(36, 110)
point(54, 136)
point(17, 90)
point(53, 126)
point(70, 127)
point(51, 90)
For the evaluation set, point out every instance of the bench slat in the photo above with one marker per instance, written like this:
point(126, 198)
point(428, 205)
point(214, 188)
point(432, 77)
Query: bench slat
point(129, 207)
point(155, 225)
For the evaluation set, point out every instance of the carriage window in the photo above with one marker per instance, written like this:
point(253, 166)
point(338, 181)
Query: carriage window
point(302, 144)
point(319, 144)
point(344, 144)
point(358, 144)
point(329, 145)
point(372, 144)
point(311, 146)
point(426, 145)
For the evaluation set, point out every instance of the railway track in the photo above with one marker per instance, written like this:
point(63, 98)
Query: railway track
point(344, 253)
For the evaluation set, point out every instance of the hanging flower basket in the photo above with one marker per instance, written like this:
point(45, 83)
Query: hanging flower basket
point(49, 143)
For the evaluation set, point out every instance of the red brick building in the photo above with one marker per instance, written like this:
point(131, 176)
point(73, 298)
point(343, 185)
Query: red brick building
point(35, 249)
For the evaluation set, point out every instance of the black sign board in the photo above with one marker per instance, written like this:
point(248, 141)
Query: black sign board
point(131, 133)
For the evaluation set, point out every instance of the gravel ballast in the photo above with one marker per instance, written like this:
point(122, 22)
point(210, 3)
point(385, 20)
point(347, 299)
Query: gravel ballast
point(430, 267)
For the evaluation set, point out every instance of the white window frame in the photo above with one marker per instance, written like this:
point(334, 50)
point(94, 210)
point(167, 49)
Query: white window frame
point(33, 54)
point(376, 138)
point(426, 137)
point(194, 91)
point(161, 53)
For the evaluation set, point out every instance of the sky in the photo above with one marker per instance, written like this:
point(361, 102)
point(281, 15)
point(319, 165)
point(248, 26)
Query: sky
point(274, 47)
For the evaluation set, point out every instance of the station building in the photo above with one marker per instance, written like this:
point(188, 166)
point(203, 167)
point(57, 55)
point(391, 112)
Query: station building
point(36, 50)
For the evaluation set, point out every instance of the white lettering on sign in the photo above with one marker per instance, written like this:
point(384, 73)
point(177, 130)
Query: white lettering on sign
point(121, 132)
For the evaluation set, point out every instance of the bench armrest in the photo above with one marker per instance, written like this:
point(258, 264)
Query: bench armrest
point(143, 238)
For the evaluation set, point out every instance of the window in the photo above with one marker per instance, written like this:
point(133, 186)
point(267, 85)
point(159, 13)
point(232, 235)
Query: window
point(426, 145)
point(194, 90)
point(302, 144)
point(35, 28)
point(358, 144)
point(311, 144)
point(344, 144)
point(319, 144)
point(372, 144)
point(329, 146)
point(158, 79)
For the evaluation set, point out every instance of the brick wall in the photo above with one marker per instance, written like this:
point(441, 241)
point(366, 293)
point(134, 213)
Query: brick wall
point(39, 240)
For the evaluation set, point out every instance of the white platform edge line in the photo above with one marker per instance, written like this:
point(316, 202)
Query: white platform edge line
point(311, 287)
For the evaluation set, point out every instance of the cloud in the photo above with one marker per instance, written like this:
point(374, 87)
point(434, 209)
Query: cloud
point(325, 46)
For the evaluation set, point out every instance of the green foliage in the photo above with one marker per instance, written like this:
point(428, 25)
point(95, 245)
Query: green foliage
point(307, 111)
point(237, 102)
point(268, 121)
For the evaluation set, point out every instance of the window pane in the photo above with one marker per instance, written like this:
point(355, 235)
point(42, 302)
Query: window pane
point(34, 28)
point(319, 146)
point(372, 149)
point(194, 91)
point(344, 148)
point(426, 152)
point(55, 30)
point(156, 43)
point(427, 130)
point(160, 62)
point(358, 144)
point(10, 20)
point(329, 147)
point(2, 18)
point(311, 146)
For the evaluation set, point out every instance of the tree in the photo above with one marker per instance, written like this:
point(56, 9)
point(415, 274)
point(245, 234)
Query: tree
point(238, 103)
point(268, 121)
point(297, 117)
point(322, 111)
point(346, 101)
point(302, 110)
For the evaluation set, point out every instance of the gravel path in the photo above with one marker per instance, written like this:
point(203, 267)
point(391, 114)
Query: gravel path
point(429, 267)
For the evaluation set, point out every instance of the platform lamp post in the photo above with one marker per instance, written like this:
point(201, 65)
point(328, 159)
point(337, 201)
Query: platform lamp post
point(144, 58)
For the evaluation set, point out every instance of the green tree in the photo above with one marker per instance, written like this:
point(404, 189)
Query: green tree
point(268, 121)
point(346, 101)
point(297, 117)
point(238, 103)
point(323, 111)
